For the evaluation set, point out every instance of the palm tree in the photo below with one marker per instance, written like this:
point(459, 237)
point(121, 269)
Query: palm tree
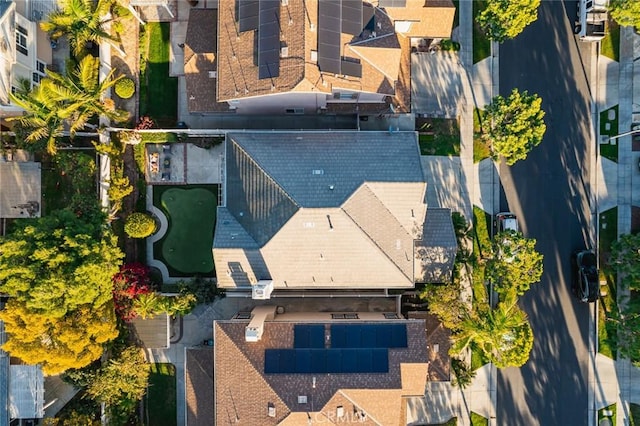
point(83, 21)
point(83, 93)
point(147, 305)
point(43, 120)
point(503, 335)
point(61, 102)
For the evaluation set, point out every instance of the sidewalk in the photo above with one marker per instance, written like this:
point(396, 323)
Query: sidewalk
point(618, 184)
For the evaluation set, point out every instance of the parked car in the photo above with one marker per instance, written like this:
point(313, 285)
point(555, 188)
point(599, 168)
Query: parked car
point(507, 221)
point(586, 281)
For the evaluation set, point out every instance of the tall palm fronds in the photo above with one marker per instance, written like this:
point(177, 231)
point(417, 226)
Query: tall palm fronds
point(65, 101)
point(82, 20)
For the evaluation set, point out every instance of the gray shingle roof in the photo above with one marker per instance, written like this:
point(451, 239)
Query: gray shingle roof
point(340, 160)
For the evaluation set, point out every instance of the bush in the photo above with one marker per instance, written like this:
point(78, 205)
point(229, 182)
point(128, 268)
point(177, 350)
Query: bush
point(450, 45)
point(125, 88)
point(139, 225)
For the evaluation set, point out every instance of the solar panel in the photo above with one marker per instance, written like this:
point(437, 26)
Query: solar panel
point(369, 336)
point(334, 361)
point(351, 68)
point(271, 361)
point(392, 3)
point(352, 17)
point(354, 337)
point(329, 28)
point(248, 11)
point(287, 361)
point(398, 336)
point(269, 39)
point(300, 336)
point(303, 361)
point(380, 360)
point(383, 336)
point(318, 360)
point(350, 360)
point(338, 336)
point(316, 336)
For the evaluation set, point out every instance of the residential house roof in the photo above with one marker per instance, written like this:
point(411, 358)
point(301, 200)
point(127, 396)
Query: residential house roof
point(379, 55)
point(21, 189)
point(320, 211)
point(152, 332)
point(26, 392)
point(244, 393)
point(201, 61)
point(199, 386)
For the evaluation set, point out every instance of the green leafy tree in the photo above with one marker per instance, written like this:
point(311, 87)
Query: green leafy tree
point(445, 302)
point(148, 305)
point(503, 335)
point(505, 19)
point(83, 22)
point(179, 305)
point(626, 12)
point(58, 343)
point(625, 258)
point(139, 225)
point(515, 264)
point(57, 263)
point(463, 374)
point(513, 126)
point(628, 333)
point(122, 379)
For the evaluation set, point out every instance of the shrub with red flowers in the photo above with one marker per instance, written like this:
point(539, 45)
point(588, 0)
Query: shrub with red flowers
point(145, 122)
point(132, 281)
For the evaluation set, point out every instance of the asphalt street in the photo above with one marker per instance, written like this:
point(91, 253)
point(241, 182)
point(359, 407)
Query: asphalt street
point(549, 192)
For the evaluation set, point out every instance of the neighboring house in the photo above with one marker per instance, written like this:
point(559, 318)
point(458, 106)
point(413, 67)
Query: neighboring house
point(314, 211)
point(319, 370)
point(26, 394)
point(21, 188)
point(308, 57)
point(152, 333)
point(25, 50)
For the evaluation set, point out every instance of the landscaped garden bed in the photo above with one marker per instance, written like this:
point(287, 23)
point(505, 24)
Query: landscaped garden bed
point(438, 136)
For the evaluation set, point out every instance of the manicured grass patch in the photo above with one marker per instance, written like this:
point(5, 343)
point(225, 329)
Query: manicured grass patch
point(191, 211)
point(451, 422)
point(634, 414)
point(161, 396)
point(439, 136)
point(69, 178)
point(478, 420)
point(607, 331)
point(613, 124)
point(610, 45)
point(482, 222)
point(158, 91)
point(481, 44)
point(609, 151)
point(480, 149)
point(612, 410)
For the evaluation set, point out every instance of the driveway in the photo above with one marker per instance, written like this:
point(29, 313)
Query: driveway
point(436, 84)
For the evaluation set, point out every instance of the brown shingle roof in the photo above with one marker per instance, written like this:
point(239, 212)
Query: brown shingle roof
point(199, 386)
point(242, 390)
point(430, 18)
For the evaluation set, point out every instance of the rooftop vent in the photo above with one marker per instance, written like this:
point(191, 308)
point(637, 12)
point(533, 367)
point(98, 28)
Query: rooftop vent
point(271, 409)
point(302, 399)
point(213, 74)
point(317, 172)
point(314, 56)
point(284, 52)
point(339, 411)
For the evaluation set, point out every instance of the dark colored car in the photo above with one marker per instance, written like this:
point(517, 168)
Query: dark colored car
point(586, 282)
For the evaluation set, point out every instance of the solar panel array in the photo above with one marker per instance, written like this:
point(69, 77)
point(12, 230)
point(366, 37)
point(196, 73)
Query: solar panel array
point(319, 361)
point(336, 17)
point(368, 336)
point(308, 336)
point(269, 39)
point(248, 11)
point(355, 348)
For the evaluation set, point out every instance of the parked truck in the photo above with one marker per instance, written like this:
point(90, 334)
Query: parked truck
point(592, 23)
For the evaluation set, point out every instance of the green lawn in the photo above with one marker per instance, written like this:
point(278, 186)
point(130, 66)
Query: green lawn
point(480, 149)
point(439, 136)
point(606, 329)
point(478, 420)
point(161, 396)
point(481, 44)
point(613, 124)
point(634, 414)
point(611, 408)
point(610, 45)
point(191, 211)
point(158, 91)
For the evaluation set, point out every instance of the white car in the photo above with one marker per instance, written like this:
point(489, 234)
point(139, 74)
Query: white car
point(507, 221)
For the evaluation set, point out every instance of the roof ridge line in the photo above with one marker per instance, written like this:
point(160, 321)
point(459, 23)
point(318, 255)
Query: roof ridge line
point(342, 392)
point(364, 184)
